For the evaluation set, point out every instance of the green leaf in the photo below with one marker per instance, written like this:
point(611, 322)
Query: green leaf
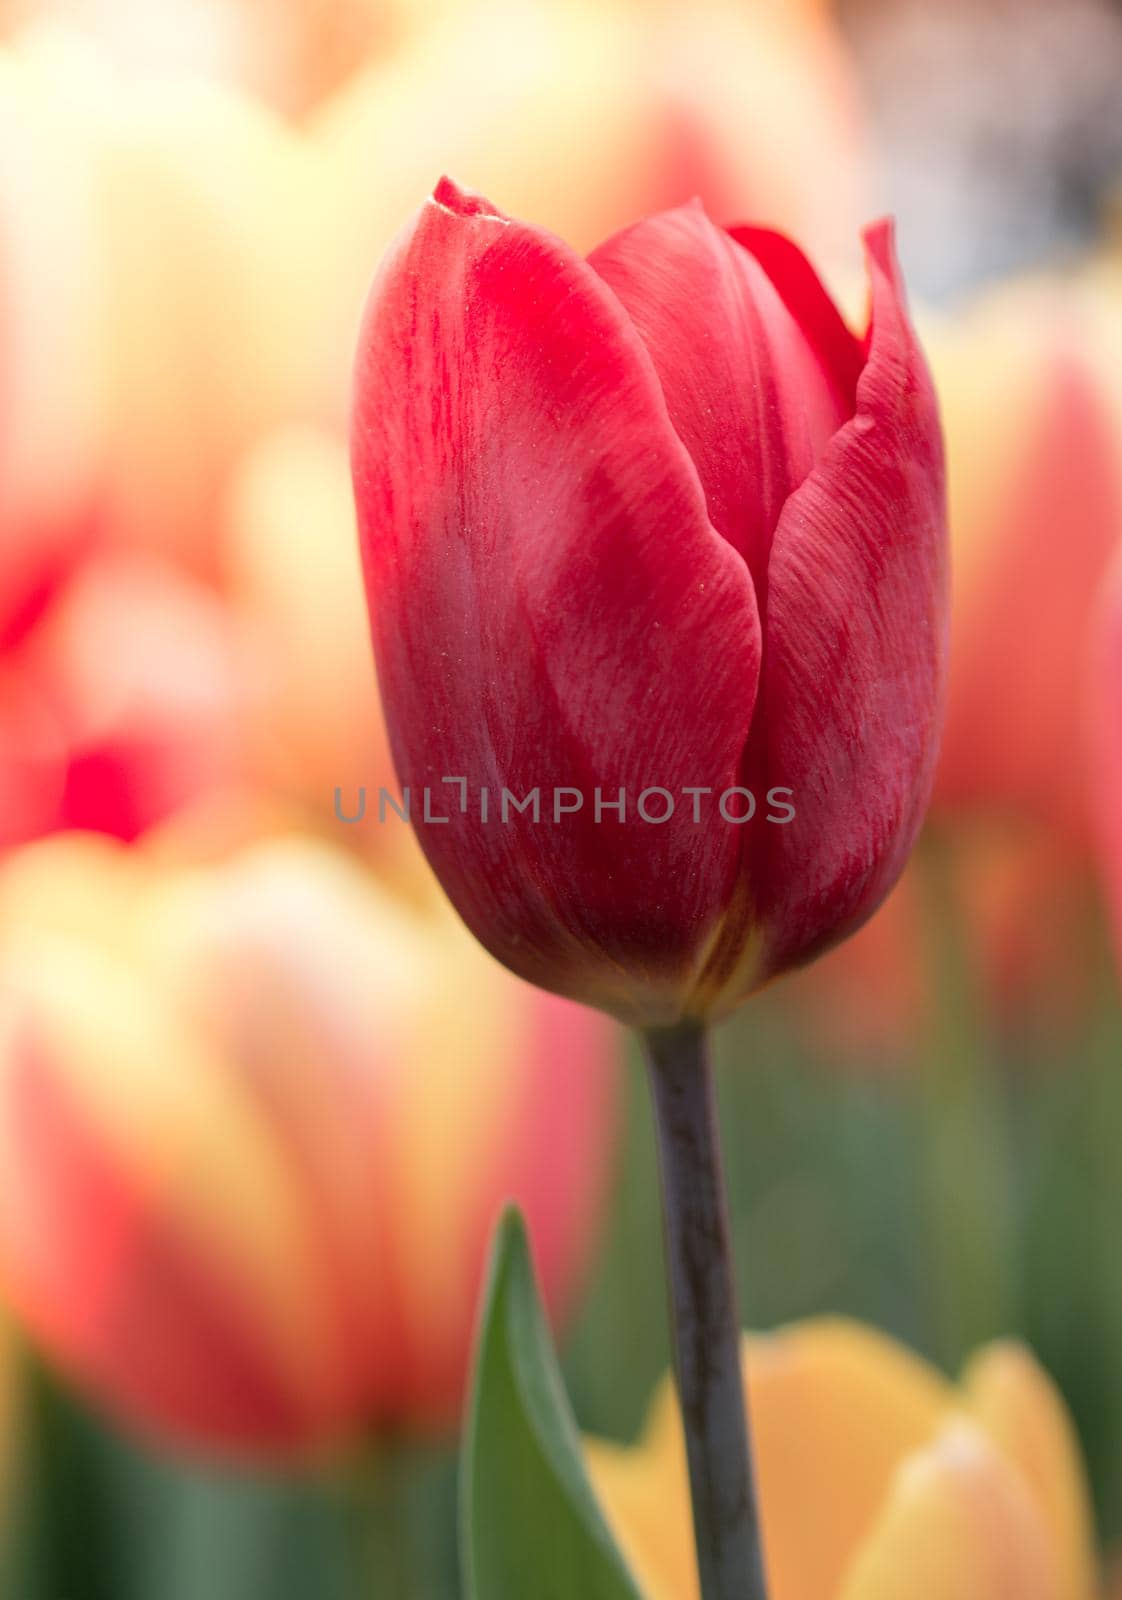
point(531, 1523)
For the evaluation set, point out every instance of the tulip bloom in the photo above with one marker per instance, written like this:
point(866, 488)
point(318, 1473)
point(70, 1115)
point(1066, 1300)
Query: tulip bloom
point(1034, 445)
point(159, 310)
point(256, 1121)
point(878, 1478)
point(651, 520)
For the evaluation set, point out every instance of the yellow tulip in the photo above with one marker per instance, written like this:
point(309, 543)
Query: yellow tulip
point(51, 433)
point(161, 236)
point(879, 1479)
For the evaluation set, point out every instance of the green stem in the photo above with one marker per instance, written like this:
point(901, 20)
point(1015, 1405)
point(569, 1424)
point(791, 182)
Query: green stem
point(705, 1322)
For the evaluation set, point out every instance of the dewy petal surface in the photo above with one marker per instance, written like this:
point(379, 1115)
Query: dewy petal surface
point(754, 392)
point(852, 690)
point(551, 601)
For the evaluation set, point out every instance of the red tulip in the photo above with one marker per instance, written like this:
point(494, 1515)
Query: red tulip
point(651, 520)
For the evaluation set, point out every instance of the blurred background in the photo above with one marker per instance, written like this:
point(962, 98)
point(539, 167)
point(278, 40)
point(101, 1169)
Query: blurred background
point(260, 1096)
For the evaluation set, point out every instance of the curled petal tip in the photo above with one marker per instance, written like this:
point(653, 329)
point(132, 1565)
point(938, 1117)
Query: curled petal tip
point(880, 234)
point(879, 240)
point(463, 202)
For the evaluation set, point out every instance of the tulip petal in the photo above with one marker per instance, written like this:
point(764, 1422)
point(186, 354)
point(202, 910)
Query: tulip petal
point(852, 689)
point(551, 603)
point(1104, 725)
point(645, 1494)
point(840, 354)
point(1011, 1397)
point(1036, 514)
point(960, 1525)
point(835, 1408)
point(177, 1284)
point(754, 389)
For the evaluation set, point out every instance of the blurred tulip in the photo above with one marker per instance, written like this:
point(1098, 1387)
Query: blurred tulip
point(142, 672)
point(1104, 727)
point(50, 375)
point(255, 1123)
point(125, 702)
point(878, 1478)
point(1032, 412)
point(290, 53)
point(169, 264)
point(872, 1000)
point(622, 519)
point(585, 114)
point(757, 92)
point(293, 574)
point(1034, 457)
point(865, 1003)
point(31, 760)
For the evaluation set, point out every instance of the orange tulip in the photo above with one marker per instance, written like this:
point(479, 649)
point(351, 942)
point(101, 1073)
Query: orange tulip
point(256, 1120)
point(878, 1478)
point(1034, 457)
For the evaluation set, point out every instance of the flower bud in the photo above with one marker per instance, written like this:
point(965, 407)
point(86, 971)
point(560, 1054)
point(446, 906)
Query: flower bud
point(654, 523)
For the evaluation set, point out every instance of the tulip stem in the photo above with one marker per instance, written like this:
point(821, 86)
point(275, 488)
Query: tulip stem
point(704, 1318)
